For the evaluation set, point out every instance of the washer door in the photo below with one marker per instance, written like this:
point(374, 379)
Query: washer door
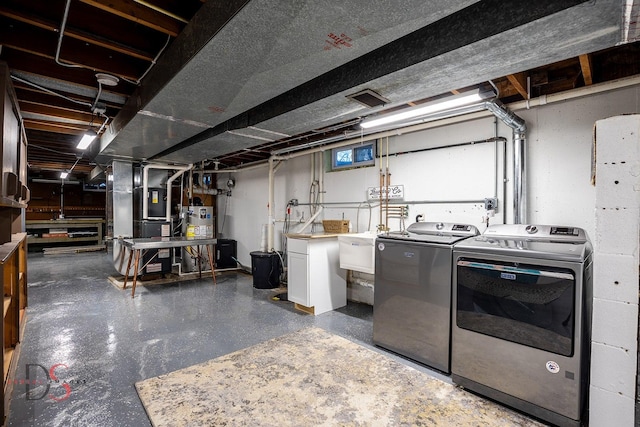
point(527, 304)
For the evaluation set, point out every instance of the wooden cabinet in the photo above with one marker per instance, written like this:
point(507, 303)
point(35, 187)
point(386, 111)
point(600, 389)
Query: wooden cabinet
point(13, 267)
point(14, 196)
point(316, 283)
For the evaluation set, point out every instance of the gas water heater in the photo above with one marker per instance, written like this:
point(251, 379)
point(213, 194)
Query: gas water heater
point(197, 222)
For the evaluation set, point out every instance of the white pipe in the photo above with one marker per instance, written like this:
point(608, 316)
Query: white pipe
point(162, 11)
point(255, 166)
point(145, 183)
point(180, 172)
point(577, 93)
point(63, 24)
point(271, 224)
point(310, 220)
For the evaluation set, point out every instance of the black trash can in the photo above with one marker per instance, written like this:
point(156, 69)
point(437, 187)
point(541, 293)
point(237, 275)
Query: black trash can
point(265, 267)
point(226, 253)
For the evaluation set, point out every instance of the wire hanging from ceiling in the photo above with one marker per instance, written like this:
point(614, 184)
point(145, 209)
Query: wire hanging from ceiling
point(63, 25)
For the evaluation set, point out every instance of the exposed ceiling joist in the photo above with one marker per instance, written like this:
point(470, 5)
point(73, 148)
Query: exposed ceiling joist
point(84, 36)
point(519, 82)
point(140, 14)
point(247, 68)
point(585, 65)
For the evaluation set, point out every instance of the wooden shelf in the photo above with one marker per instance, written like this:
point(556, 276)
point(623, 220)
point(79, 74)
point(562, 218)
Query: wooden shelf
point(35, 240)
point(14, 198)
point(80, 225)
point(8, 355)
point(11, 203)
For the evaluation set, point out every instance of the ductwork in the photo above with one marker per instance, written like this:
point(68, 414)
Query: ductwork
point(519, 157)
point(219, 87)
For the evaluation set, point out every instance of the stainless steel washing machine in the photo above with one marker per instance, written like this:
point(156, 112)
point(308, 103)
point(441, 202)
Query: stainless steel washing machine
point(412, 296)
point(521, 321)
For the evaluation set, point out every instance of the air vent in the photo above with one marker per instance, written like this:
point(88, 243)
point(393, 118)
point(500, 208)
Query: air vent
point(369, 98)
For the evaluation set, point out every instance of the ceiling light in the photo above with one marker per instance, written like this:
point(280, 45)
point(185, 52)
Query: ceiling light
point(64, 175)
point(87, 139)
point(107, 79)
point(465, 98)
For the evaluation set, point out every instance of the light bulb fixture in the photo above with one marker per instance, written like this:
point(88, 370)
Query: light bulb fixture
point(462, 99)
point(87, 139)
point(64, 175)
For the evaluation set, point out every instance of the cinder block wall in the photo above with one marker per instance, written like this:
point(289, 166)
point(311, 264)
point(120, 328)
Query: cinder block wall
point(614, 358)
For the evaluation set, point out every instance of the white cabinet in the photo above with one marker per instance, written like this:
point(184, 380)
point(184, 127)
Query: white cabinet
point(316, 284)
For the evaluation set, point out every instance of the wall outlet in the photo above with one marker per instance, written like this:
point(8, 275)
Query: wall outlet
point(491, 204)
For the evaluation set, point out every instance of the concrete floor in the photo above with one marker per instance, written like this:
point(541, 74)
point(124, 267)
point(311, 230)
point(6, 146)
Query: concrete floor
point(107, 341)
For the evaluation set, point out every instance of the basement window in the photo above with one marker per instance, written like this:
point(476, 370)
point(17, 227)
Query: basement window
point(353, 156)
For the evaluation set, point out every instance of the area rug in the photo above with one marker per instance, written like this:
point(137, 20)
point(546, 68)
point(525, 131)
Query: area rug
point(313, 378)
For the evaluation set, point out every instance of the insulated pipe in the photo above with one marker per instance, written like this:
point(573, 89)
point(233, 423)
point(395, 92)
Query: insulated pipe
point(519, 178)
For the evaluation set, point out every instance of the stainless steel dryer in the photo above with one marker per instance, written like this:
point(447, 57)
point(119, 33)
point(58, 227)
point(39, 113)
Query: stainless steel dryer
point(521, 321)
point(412, 296)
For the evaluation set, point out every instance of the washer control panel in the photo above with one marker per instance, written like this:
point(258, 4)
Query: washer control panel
point(443, 228)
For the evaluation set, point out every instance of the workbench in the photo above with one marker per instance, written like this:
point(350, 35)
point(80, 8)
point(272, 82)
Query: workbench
point(77, 230)
point(139, 246)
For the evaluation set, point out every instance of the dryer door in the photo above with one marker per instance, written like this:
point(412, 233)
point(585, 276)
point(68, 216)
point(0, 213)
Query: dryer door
point(527, 304)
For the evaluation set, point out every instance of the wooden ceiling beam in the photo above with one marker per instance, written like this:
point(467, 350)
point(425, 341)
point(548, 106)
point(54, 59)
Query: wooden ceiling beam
point(586, 67)
point(31, 94)
point(54, 111)
point(142, 15)
point(519, 82)
point(54, 127)
point(76, 34)
point(33, 64)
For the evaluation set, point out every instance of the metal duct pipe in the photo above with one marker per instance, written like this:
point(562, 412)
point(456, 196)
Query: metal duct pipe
point(519, 127)
point(519, 178)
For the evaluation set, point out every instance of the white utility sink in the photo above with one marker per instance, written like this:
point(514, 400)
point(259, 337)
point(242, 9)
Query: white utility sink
point(357, 252)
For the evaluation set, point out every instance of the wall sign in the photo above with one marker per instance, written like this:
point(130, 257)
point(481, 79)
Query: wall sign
point(378, 193)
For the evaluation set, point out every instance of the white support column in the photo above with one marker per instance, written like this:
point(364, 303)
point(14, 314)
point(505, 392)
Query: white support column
point(614, 350)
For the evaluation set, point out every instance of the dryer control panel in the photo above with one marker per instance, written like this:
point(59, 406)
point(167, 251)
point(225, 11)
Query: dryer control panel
point(536, 232)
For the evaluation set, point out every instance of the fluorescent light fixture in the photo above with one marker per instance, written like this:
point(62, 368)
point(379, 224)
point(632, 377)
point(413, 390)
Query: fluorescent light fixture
point(64, 175)
point(465, 98)
point(87, 139)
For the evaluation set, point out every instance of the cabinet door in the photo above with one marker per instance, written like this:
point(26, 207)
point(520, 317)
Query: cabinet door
point(298, 279)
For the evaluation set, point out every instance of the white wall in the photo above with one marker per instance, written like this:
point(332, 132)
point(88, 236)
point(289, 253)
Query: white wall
point(615, 273)
point(559, 159)
point(559, 145)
